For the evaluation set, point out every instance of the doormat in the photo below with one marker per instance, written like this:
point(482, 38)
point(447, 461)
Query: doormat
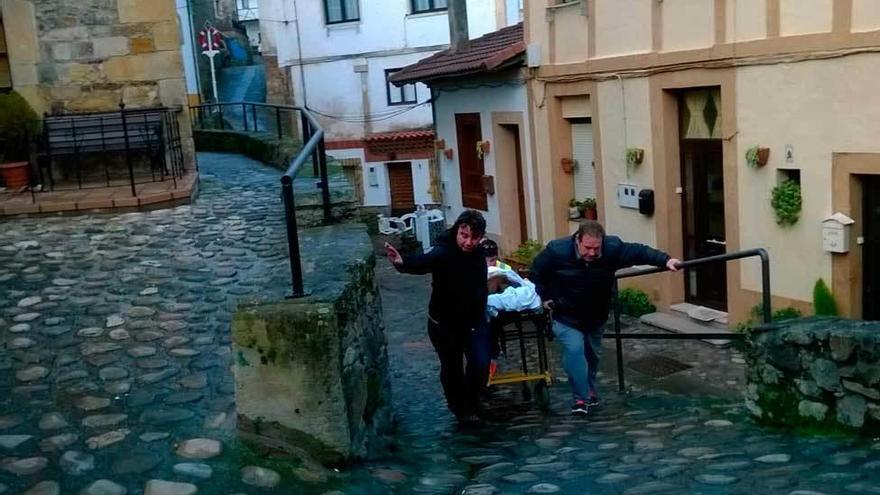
point(657, 366)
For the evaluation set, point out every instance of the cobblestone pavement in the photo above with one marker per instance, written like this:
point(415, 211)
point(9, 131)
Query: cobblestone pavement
point(114, 373)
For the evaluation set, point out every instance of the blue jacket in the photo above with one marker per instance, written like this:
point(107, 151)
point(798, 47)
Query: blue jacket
point(581, 291)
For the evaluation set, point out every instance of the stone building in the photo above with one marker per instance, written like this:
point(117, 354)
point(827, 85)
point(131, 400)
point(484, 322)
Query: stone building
point(92, 55)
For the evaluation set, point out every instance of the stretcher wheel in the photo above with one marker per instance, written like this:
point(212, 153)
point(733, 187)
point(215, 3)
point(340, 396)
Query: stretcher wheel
point(542, 395)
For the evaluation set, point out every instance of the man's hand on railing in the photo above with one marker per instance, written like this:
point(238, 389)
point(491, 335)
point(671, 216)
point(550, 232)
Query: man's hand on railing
point(672, 264)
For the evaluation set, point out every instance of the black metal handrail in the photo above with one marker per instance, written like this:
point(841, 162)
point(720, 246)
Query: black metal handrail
point(721, 258)
point(249, 121)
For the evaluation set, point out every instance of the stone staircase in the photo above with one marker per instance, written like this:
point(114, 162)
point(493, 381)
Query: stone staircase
point(690, 318)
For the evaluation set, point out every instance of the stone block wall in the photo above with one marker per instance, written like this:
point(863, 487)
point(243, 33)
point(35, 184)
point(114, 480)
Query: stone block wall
point(90, 55)
point(312, 374)
point(818, 373)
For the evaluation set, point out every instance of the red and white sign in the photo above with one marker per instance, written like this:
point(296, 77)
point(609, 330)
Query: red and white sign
point(210, 39)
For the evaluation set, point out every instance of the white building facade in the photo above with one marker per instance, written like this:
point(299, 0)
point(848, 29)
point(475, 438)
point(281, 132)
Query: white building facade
point(338, 55)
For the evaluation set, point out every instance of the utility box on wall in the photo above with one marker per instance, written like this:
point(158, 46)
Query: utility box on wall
point(836, 233)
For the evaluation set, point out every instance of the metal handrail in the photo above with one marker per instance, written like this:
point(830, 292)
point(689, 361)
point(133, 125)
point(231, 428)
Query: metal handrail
point(765, 297)
point(313, 148)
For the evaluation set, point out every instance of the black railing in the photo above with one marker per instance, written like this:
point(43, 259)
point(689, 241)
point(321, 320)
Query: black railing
point(67, 141)
point(280, 121)
point(721, 258)
point(246, 116)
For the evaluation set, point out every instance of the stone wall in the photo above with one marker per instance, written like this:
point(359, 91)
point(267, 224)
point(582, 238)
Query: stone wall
point(312, 374)
point(817, 373)
point(90, 55)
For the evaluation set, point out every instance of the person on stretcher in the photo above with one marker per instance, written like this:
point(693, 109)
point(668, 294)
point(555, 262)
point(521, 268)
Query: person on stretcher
point(507, 292)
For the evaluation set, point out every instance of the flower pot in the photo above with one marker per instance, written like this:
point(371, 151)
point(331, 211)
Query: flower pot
point(574, 213)
point(448, 153)
point(484, 146)
point(15, 175)
point(763, 156)
point(568, 165)
point(591, 214)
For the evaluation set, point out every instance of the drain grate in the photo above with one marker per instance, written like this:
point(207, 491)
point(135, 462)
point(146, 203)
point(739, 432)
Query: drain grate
point(657, 366)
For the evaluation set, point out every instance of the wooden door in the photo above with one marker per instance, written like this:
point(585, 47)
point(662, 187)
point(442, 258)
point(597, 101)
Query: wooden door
point(401, 185)
point(468, 133)
point(703, 216)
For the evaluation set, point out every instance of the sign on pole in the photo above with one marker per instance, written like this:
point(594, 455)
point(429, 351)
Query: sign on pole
point(210, 41)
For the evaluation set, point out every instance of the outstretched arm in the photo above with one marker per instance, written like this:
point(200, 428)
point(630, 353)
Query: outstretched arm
point(416, 264)
point(639, 254)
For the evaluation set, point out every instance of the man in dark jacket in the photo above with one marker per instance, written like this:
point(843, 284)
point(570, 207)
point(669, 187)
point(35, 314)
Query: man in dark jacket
point(575, 277)
point(457, 310)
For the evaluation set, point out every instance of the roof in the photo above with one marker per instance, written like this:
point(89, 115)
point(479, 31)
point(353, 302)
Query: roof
point(488, 53)
point(410, 135)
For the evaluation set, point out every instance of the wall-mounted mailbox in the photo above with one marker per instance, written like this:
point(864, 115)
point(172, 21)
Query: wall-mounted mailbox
point(646, 202)
point(836, 233)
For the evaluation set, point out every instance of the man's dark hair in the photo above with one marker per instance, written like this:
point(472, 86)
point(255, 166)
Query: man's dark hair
point(490, 248)
point(591, 228)
point(473, 219)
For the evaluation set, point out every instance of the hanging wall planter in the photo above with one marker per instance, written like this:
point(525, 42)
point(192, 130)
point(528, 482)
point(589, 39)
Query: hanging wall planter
point(448, 153)
point(634, 156)
point(757, 156)
point(482, 149)
point(568, 165)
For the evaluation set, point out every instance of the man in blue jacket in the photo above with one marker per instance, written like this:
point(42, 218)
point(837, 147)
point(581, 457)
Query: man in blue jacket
point(575, 277)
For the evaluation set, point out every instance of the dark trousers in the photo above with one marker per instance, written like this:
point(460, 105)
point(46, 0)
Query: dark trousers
point(462, 385)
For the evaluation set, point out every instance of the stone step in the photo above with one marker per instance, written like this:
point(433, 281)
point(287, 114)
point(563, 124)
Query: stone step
point(701, 313)
point(680, 323)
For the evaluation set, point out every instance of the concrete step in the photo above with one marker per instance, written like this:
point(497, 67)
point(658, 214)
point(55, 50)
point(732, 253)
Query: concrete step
point(701, 313)
point(681, 323)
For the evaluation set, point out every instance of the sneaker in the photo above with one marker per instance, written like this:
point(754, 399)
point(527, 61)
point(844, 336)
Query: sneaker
point(468, 419)
point(593, 401)
point(579, 408)
point(493, 369)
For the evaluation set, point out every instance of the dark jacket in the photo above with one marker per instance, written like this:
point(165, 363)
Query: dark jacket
point(459, 290)
point(581, 291)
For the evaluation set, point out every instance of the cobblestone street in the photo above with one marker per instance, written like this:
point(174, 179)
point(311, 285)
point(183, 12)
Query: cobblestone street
point(115, 366)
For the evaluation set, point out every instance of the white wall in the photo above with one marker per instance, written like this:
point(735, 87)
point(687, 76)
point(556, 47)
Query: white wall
point(380, 193)
point(485, 101)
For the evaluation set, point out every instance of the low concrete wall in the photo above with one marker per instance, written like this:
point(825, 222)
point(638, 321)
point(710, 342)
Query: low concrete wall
point(819, 373)
point(312, 374)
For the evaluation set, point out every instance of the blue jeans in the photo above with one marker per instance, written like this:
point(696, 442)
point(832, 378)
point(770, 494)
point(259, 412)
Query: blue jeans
point(580, 358)
point(463, 385)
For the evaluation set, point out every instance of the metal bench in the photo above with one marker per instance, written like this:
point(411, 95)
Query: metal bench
point(126, 131)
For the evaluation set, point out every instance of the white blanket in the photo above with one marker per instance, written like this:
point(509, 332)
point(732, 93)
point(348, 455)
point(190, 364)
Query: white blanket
point(520, 296)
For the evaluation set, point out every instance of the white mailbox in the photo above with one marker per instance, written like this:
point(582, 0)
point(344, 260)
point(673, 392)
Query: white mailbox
point(836, 233)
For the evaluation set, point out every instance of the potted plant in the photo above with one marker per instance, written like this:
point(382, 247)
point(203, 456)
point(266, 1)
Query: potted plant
point(574, 210)
point(18, 124)
point(757, 156)
point(588, 209)
point(634, 156)
point(568, 165)
point(521, 258)
point(786, 202)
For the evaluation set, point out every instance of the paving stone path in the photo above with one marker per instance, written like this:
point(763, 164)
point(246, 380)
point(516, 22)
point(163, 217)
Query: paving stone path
point(115, 378)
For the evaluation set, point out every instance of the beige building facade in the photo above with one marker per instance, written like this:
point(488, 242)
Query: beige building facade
point(87, 56)
point(695, 84)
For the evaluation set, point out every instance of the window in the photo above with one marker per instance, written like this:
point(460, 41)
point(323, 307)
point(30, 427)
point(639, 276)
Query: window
point(404, 95)
point(419, 6)
point(5, 76)
point(341, 11)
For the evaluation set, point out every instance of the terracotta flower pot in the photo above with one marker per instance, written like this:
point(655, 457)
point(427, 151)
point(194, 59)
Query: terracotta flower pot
point(763, 156)
point(15, 175)
point(591, 214)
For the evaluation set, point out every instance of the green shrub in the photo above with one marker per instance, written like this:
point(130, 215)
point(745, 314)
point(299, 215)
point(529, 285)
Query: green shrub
point(635, 302)
point(18, 125)
point(786, 314)
point(756, 316)
point(526, 252)
point(787, 202)
point(823, 300)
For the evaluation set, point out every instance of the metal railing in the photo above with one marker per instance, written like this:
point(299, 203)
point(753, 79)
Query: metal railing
point(280, 120)
point(721, 258)
point(67, 140)
point(246, 116)
point(313, 147)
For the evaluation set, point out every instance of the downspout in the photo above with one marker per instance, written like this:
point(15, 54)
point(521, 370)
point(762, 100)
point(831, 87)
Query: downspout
point(438, 155)
point(195, 44)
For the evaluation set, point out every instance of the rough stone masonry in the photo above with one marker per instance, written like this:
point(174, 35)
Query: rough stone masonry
point(820, 373)
point(311, 374)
